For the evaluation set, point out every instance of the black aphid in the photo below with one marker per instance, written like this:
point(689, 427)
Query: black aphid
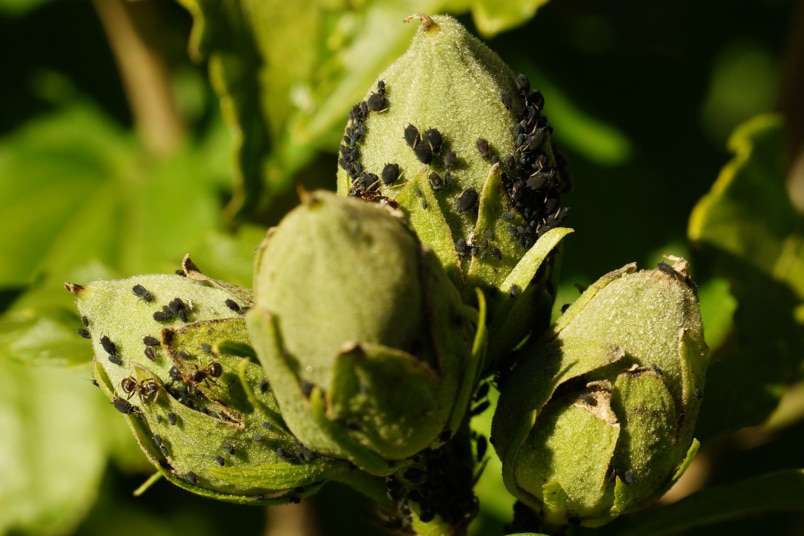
point(412, 136)
point(150, 341)
point(231, 304)
point(389, 174)
point(447, 179)
point(267, 425)
point(515, 291)
point(158, 419)
point(219, 460)
point(505, 97)
point(467, 200)
point(178, 308)
point(165, 315)
point(108, 346)
point(157, 439)
point(435, 181)
point(141, 292)
point(510, 162)
point(523, 84)
point(449, 159)
point(376, 102)
point(433, 138)
point(424, 204)
point(480, 408)
point(206, 348)
point(163, 449)
point(263, 386)
point(85, 320)
point(172, 418)
point(191, 478)
point(115, 359)
point(460, 247)
point(507, 216)
point(629, 478)
point(259, 437)
point(149, 353)
point(84, 333)
point(306, 387)
point(229, 448)
point(124, 406)
point(483, 148)
point(423, 153)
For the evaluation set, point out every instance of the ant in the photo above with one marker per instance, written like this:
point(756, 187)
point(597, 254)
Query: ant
point(148, 390)
point(213, 370)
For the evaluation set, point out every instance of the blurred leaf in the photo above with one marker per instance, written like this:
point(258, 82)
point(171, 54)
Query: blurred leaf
point(748, 232)
point(495, 16)
point(19, 7)
point(75, 189)
point(54, 447)
point(781, 491)
point(717, 311)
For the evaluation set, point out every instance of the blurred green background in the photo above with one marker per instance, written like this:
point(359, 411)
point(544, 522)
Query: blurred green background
point(134, 132)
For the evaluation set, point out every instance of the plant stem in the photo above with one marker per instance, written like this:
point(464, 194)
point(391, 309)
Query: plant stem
point(131, 29)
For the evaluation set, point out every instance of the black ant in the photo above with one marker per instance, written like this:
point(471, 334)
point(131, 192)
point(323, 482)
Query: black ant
point(148, 390)
point(213, 370)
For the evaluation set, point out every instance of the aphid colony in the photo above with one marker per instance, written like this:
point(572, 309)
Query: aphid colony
point(534, 187)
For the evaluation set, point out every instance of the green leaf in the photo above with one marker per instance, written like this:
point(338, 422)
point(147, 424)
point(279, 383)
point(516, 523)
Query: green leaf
point(495, 16)
point(781, 491)
point(748, 232)
point(54, 447)
point(77, 189)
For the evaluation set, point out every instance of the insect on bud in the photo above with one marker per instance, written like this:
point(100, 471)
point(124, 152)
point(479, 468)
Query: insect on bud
point(475, 163)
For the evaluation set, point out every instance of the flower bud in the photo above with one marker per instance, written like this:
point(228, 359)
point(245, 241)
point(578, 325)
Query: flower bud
point(452, 136)
point(171, 353)
point(369, 349)
point(596, 419)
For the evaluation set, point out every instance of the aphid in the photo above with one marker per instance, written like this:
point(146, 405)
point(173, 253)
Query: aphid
point(376, 102)
point(85, 320)
point(460, 247)
point(259, 437)
point(141, 292)
point(480, 408)
point(698, 393)
point(231, 304)
point(510, 161)
point(207, 349)
point(172, 418)
point(536, 100)
point(84, 333)
point(219, 460)
point(108, 346)
point(178, 308)
point(423, 153)
point(565, 307)
point(505, 97)
point(449, 159)
point(124, 406)
point(150, 354)
point(433, 139)
point(150, 341)
point(515, 291)
point(523, 84)
point(263, 387)
point(158, 440)
point(424, 204)
point(163, 449)
point(267, 425)
point(483, 148)
point(412, 136)
point(165, 315)
point(116, 360)
point(448, 179)
point(381, 87)
point(191, 477)
point(389, 174)
point(180, 272)
point(629, 478)
point(306, 387)
point(158, 419)
point(229, 448)
point(466, 201)
point(435, 181)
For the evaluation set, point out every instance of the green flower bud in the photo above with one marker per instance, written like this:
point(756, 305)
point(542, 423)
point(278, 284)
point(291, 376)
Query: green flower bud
point(597, 417)
point(369, 349)
point(458, 141)
point(171, 352)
